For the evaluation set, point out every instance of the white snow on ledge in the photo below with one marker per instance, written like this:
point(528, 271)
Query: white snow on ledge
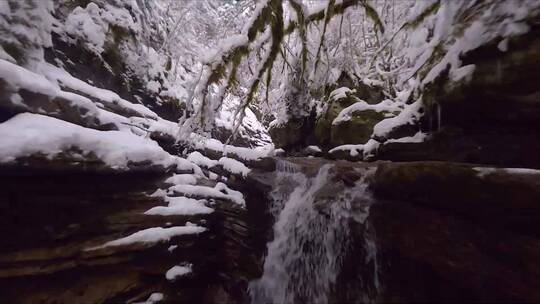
point(178, 271)
point(233, 166)
point(181, 206)
point(153, 235)
point(354, 150)
point(27, 134)
point(416, 138)
point(220, 191)
point(483, 171)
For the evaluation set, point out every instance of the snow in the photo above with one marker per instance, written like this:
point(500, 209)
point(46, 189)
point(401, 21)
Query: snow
point(248, 153)
point(178, 271)
point(483, 171)
point(522, 171)
point(243, 153)
point(503, 45)
point(372, 82)
point(409, 115)
point(110, 98)
point(257, 134)
point(462, 73)
point(153, 235)
point(416, 138)
point(172, 248)
point(90, 25)
point(234, 166)
point(313, 149)
point(186, 165)
point(21, 78)
point(223, 48)
point(27, 134)
point(220, 191)
point(159, 193)
point(201, 160)
point(386, 105)
point(86, 24)
point(340, 93)
point(184, 179)
point(354, 150)
point(181, 206)
point(154, 298)
point(278, 152)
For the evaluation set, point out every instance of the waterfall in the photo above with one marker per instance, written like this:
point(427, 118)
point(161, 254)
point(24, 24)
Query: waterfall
point(306, 256)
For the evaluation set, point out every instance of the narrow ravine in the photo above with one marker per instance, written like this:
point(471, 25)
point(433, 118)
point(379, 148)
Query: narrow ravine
point(313, 236)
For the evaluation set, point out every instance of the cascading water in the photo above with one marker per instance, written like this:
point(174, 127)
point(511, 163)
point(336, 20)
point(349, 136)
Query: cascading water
point(310, 245)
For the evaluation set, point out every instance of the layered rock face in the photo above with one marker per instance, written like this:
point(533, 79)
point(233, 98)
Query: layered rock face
point(55, 222)
point(465, 234)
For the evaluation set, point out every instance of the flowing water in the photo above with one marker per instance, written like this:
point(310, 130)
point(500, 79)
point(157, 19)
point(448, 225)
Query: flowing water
point(313, 240)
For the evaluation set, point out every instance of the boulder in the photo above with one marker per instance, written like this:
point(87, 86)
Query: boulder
point(357, 130)
point(288, 134)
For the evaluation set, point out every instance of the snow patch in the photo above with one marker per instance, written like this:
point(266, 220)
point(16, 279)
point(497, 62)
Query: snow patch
point(27, 134)
point(233, 166)
point(181, 206)
point(201, 160)
point(178, 271)
point(153, 235)
point(220, 191)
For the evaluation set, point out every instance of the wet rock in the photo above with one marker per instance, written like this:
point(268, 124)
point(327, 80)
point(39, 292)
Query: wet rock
point(468, 233)
point(357, 130)
point(495, 197)
point(453, 258)
point(288, 134)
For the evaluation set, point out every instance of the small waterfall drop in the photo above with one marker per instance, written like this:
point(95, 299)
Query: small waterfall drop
point(310, 246)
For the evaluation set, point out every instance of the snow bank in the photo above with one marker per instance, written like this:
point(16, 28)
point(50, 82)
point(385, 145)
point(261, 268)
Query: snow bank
point(384, 106)
point(340, 93)
point(182, 179)
point(416, 138)
point(248, 154)
point(233, 166)
point(483, 171)
point(178, 271)
point(313, 149)
point(220, 191)
point(153, 235)
point(27, 134)
point(21, 78)
point(181, 206)
point(354, 150)
point(201, 160)
point(155, 297)
point(110, 98)
point(409, 115)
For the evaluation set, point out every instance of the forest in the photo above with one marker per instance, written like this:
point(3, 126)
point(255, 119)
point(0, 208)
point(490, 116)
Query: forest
point(269, 151)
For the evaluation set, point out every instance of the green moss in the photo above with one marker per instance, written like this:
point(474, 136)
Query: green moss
point(357, 130)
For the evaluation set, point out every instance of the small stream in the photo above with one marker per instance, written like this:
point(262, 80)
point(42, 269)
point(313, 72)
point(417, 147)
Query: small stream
point(317, 219)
